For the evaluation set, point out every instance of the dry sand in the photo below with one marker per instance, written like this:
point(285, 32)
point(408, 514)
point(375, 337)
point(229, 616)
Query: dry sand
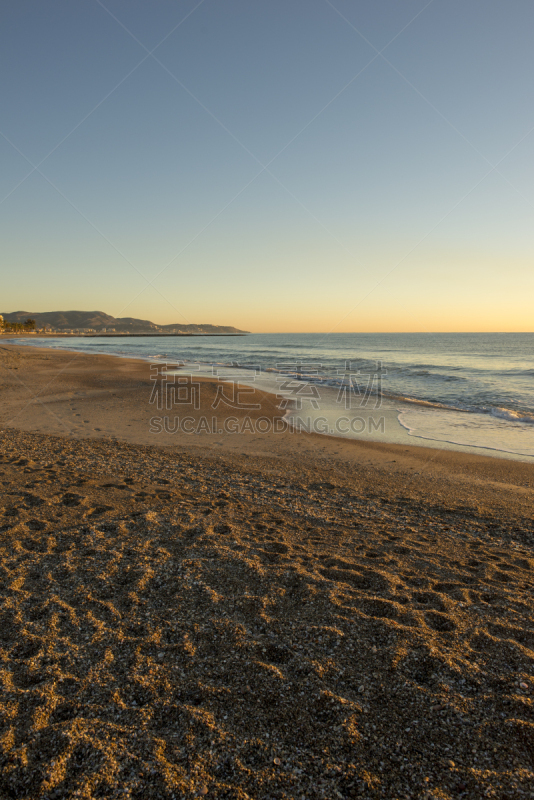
point(246, 616)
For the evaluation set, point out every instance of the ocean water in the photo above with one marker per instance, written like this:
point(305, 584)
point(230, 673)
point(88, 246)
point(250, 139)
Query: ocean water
point(471, 390)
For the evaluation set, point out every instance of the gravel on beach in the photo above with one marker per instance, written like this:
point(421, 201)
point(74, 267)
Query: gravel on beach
point(176, 624)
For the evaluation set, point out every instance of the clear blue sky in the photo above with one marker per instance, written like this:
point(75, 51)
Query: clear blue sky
point(271, 165)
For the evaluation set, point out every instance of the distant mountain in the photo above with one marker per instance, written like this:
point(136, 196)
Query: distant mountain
point(97, 321)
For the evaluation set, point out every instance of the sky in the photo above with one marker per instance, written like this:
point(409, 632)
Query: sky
point(291, 165)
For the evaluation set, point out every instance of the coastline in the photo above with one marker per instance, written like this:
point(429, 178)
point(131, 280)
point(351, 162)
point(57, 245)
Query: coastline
point(170, 599)
point(83, 397)
point(108, 398)
point(382, 425)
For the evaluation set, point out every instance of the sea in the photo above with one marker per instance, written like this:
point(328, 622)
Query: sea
point(462, 391)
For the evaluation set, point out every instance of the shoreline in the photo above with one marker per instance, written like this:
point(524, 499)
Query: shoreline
point(84, 396)
point(400, 437)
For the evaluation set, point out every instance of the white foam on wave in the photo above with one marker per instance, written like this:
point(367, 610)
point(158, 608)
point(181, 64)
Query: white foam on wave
point(485, 431)
point(423, 403)
point(509, 414)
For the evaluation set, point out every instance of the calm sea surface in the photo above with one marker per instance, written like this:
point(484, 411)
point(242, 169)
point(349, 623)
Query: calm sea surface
point(467, 389)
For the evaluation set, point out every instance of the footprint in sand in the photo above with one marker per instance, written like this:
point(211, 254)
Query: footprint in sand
point(35, 525)
point(71, 499)
point(523, 636)
point(95, 512)
point(439, 622)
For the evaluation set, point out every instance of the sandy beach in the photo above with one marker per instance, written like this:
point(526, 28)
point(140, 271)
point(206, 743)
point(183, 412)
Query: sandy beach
point(252, 615)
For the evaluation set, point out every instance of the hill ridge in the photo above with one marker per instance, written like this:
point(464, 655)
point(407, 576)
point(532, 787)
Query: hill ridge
point(63, 321)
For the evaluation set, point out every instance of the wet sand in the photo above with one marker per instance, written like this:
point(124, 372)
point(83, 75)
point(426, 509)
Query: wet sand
point(252, 616)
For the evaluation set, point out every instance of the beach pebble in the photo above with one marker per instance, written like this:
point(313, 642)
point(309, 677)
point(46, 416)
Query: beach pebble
point(203, 790)
point(276, 761)
point(523, 685)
